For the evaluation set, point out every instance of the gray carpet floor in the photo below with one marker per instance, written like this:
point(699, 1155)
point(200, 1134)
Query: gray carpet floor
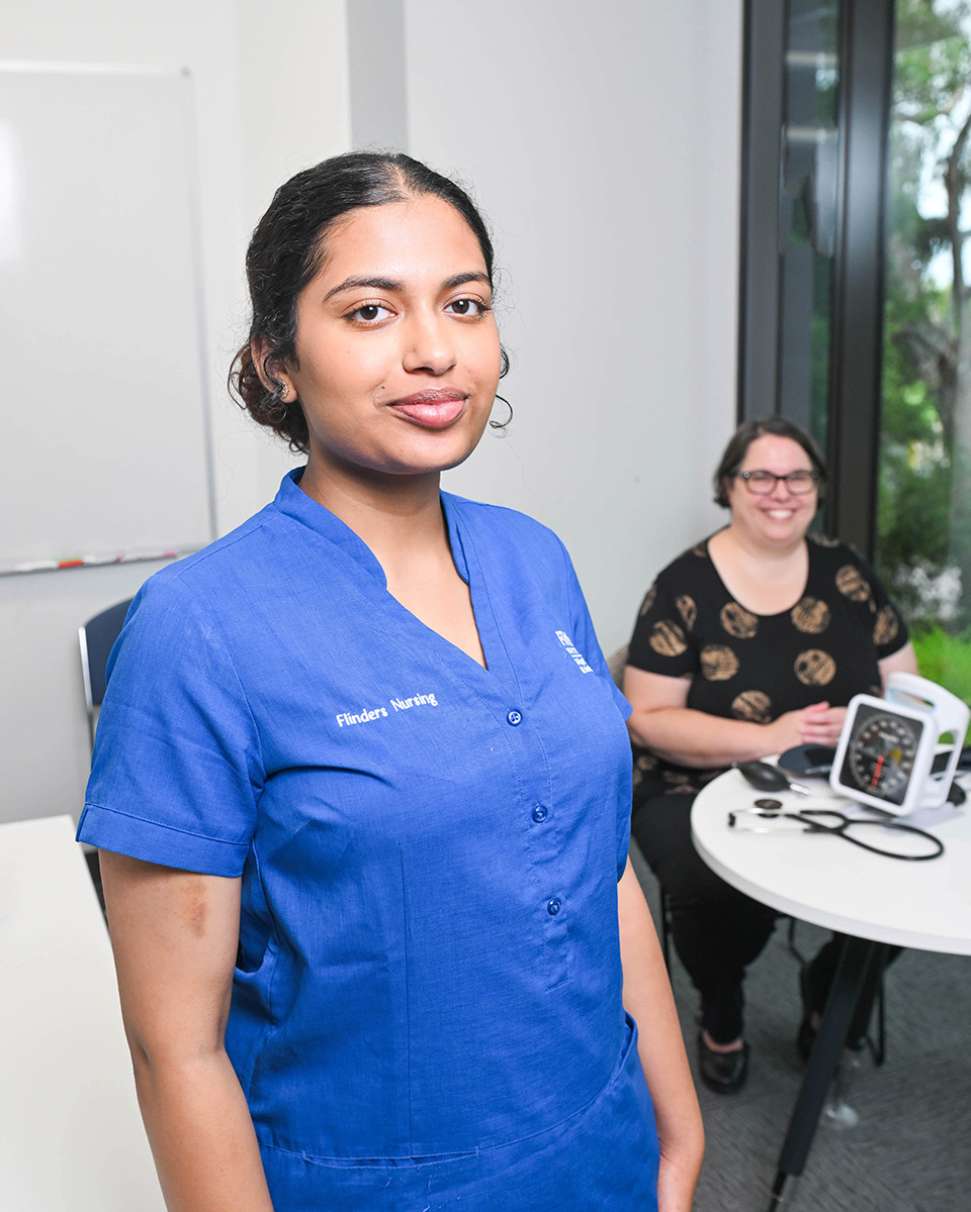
point(911, 1151)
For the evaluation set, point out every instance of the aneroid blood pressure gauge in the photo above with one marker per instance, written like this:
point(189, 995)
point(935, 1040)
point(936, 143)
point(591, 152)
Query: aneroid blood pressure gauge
point(887, 746)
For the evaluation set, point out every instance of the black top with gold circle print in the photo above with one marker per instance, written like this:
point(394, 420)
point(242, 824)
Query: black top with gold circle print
point(747, 666)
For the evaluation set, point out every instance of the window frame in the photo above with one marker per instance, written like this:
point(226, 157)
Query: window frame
point(866, 50)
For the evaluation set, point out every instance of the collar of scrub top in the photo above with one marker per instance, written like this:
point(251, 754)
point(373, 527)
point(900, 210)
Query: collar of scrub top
point(295, 503)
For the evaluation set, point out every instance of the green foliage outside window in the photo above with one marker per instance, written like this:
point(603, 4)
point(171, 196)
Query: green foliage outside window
point(924, 503)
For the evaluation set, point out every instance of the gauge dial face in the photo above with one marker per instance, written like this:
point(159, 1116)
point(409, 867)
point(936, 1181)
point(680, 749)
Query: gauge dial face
point(881, 752)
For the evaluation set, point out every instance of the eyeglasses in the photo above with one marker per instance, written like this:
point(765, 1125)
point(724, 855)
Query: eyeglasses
point(763, 482)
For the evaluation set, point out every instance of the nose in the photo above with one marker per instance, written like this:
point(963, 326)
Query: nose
point(428, 344)
point(780, 491)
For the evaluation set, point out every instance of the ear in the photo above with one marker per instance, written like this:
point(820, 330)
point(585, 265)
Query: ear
point(273, 377)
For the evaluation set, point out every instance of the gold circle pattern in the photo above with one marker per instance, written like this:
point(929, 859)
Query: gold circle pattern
point(810, 616)
point(815, 667)
point(852, 583)
point(687, 609)
point(667, 639)
point(738, 621)
point(752, 705)
point(886, 626)
point(718, 663)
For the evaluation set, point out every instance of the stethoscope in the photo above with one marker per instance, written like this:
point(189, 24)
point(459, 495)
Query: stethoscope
point(817, 820)
point(836, 824)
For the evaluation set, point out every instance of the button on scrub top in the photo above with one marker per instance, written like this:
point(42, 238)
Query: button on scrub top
point(426, 1009)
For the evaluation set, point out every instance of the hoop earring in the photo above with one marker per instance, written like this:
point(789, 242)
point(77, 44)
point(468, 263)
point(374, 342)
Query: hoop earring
point(502, 424)
point(276, 406)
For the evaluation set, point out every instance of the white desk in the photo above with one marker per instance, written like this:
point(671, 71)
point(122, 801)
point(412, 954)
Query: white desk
point(828, 882)
point(870, 898)
point(71, 1138)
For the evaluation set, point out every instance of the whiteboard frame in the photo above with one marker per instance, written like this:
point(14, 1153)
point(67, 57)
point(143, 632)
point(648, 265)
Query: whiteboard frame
point(66, 560)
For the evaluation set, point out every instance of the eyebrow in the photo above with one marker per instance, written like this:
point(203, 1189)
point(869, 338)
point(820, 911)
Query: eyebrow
point(355, 282)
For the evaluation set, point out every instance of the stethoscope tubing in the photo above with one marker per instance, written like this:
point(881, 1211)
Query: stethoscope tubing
point(806, 816)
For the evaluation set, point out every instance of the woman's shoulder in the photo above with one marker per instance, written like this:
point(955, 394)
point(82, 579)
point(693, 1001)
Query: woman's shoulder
point(505, 525)
point(832, 549)
point(831, 553)
point(691, 564)
point(206, 576)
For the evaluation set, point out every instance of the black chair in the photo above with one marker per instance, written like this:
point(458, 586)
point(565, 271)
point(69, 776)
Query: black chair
point(96, 637)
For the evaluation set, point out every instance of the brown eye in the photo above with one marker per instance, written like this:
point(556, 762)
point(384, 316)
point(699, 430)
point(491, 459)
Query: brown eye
point(368, 313)
point(467, 307)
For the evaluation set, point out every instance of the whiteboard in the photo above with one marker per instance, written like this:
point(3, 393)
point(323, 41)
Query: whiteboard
point(105, 449)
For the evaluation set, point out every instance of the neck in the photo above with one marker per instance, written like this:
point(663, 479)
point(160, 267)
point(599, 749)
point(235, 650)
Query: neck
point(398, 517)
point(751, 548)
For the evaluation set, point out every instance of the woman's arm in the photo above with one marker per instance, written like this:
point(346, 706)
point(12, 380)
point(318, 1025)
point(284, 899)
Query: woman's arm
point(647, 996)
point(662, 723)
point(904, 660)
point(174, 935)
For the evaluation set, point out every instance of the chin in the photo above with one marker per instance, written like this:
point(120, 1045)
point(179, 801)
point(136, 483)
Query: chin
point(425, 457)
point(792, 528)
point(426, 451)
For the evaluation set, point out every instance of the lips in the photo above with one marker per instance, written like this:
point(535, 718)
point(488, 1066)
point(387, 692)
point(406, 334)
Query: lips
point(433, 409)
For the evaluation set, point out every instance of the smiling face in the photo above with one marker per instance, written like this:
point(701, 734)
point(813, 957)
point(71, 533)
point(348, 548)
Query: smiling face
point(780, 518)
point(397, 348)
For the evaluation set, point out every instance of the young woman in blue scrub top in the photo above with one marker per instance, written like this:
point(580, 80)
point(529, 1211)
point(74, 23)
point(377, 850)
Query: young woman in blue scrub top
point(362, 783)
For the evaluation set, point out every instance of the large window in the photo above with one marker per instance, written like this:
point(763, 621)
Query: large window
point(923, 529)
point(856, 281)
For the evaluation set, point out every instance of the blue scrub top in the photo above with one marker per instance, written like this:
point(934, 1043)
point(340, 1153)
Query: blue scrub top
point(426, 1005)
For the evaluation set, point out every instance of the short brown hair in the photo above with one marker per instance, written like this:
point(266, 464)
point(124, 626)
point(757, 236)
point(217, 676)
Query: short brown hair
point(743, 437)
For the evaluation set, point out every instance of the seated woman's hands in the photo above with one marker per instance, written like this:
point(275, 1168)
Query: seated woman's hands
point(818, 724)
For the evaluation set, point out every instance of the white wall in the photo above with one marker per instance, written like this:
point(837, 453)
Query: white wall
point(603, 145)
point(271, 95)
point(602, 142)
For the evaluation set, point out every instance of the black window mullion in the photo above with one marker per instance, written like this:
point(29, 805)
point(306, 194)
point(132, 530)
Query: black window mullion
point(760, 267)
point(855, 369)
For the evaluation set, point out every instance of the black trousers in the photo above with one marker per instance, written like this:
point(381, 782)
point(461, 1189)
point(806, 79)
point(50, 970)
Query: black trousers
point(717, 930)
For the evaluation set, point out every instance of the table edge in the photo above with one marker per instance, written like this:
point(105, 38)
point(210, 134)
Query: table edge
point(895, 936)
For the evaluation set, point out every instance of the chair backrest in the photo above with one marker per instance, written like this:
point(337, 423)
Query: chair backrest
point(615, 663)
point(96, 637)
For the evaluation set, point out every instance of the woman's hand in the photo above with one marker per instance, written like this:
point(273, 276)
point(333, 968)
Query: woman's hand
point(818, 724)
point(822, 725)
point(676, 1184)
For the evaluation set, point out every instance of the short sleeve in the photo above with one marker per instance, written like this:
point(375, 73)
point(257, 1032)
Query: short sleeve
point(858, 581)
point(177, 769)
point(890, 632)
point(661, 641)
point(585, 637)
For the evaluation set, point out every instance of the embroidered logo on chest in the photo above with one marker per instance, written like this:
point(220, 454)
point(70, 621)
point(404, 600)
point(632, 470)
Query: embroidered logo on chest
point(367, 715)
point(573, 652)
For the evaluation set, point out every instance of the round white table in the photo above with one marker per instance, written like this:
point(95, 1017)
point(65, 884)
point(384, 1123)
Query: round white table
point(870, 898)
point(833, 884)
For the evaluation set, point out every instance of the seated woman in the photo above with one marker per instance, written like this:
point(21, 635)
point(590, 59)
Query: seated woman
point(748, 644)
